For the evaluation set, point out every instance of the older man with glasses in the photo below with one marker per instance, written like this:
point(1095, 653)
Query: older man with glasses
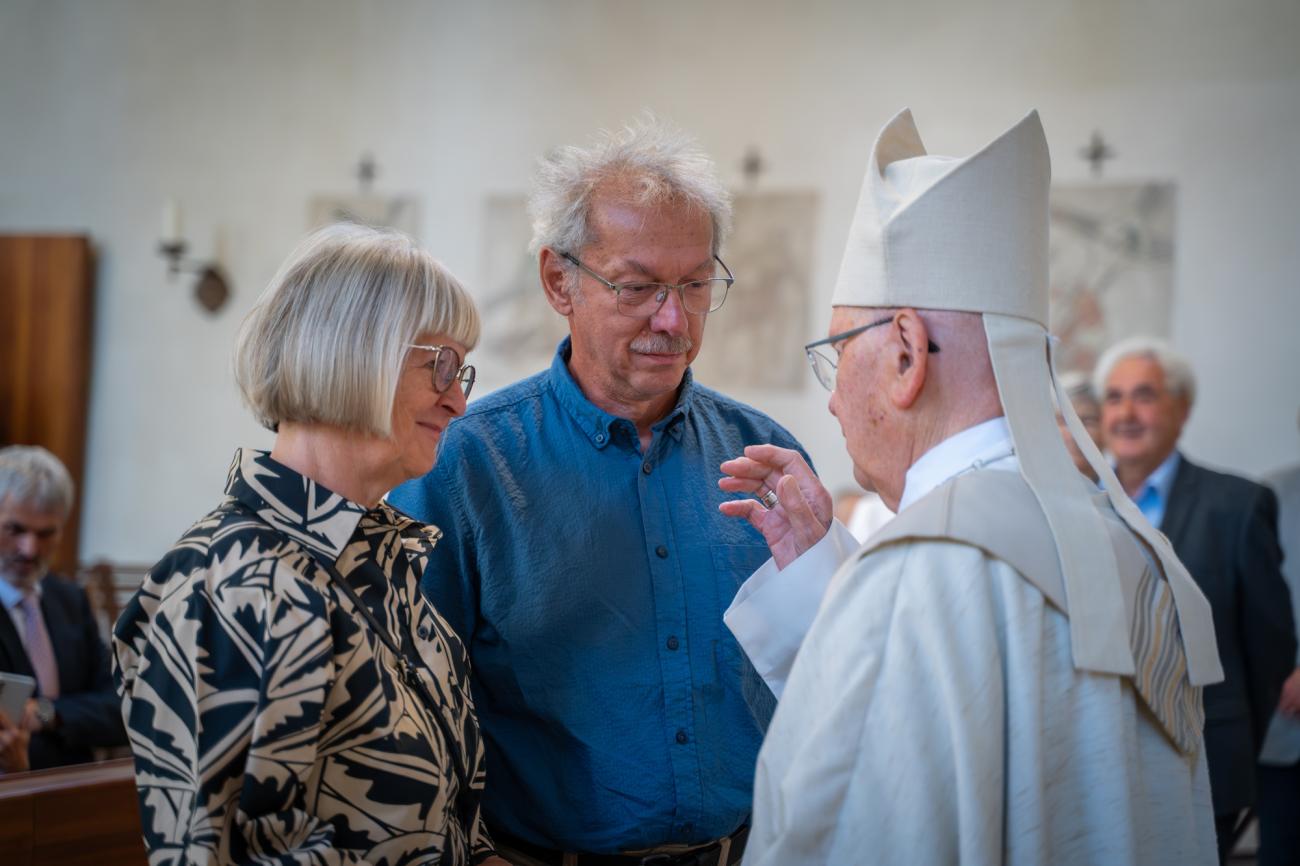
point(584, 560)
point(1009, 671)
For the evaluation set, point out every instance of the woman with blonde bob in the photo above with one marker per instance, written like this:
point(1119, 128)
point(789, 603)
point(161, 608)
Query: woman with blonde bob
point(290, 696)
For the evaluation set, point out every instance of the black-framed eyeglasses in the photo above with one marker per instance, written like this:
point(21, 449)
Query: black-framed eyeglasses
point(445, 368)
point(644, 299)
point(824, 367)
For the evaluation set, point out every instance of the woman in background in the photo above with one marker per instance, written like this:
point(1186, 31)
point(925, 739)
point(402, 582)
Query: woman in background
point(289, 694)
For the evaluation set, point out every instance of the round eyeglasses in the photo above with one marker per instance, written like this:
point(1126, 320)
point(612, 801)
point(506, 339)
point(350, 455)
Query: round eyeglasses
point(445, 368)
point(644, 299)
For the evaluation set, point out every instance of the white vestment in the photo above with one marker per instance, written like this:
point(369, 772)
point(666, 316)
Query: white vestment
point(934, 714)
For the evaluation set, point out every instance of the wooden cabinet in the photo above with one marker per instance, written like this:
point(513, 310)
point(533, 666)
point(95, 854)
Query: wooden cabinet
point(46, 325)
point(70, 816)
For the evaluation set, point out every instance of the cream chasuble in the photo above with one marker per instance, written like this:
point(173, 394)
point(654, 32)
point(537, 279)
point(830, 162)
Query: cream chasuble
point(934, 713)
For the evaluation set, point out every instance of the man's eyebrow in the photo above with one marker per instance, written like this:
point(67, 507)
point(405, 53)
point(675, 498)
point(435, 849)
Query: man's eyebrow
point(634, 265)
point(19, 526)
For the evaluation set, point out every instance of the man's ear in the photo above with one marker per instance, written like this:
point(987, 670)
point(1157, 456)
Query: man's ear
point(907, 358)
point(555, 281)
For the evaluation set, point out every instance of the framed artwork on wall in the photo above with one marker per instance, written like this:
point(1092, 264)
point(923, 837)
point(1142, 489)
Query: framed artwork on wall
point(1112, 266)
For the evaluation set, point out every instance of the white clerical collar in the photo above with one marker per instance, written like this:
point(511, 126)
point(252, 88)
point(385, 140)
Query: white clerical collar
point(984, 444)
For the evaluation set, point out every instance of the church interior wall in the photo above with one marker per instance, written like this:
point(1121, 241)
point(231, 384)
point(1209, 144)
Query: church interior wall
point(242, 111)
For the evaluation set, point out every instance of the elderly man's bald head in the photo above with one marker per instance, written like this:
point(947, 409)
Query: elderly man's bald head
point(965, 375)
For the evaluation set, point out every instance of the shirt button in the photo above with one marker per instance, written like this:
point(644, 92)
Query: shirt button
point(423, 632)
point(661, 552)
point(646, 467)
point(672, 642)
point(600, 438)
point(681, 738)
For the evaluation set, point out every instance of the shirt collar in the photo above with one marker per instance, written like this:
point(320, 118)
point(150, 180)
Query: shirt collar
point(417, 538)
point(597, 424)
point(10, 595)
point(972, 448)
point(1162, 479)
point(293, 503)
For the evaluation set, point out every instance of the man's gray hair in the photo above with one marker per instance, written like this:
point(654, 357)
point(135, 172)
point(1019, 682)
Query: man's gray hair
point(1179, 378)
point(652, 161)
point(35, 478)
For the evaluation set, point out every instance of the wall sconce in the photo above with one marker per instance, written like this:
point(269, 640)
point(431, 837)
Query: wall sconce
point(211, 289)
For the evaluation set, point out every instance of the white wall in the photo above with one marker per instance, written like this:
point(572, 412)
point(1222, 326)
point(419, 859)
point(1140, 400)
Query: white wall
point(244, 109)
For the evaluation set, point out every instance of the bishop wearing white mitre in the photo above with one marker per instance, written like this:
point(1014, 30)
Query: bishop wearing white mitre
point(1010, 671)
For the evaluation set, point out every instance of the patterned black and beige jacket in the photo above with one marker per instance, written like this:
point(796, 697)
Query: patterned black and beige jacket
point(269, 722)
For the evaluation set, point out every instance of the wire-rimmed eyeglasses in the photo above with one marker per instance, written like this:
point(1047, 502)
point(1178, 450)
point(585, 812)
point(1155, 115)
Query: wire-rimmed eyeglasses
point(445, 368)
point(824, 367)
point(642, 299)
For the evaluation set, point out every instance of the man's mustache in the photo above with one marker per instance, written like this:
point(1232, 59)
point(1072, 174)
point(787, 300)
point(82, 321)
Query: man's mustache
point(662, 344)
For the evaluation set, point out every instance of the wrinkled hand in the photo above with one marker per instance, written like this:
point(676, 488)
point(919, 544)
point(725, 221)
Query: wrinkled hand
point(803, 511)
point(1289, 705)
point(13, 746)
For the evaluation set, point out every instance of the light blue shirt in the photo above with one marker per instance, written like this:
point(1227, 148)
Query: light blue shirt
point(588, 579)
point(10, 595)
point(11, 599)
point(1153, 496)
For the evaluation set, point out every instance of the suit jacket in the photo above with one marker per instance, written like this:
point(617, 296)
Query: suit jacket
point(1224, 529)
point(89, 711)
point(1282, 746)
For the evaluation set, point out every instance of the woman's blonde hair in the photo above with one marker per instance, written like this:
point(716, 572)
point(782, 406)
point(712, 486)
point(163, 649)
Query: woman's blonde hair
point(326, 341)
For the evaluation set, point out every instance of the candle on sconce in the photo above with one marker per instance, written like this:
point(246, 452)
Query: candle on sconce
point(212, 291)
point(171, 221)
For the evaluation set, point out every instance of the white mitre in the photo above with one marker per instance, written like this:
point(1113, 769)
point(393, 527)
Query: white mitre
point(941, 233)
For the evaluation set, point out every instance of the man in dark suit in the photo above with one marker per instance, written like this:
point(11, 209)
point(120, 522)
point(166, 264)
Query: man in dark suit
point(1224, 528)
point(47, 631)
point(1279, 760)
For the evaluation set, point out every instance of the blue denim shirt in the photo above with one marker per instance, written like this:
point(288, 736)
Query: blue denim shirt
point(589, 580)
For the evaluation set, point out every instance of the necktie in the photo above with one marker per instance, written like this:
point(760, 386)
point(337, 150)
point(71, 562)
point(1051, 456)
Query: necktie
point(39, 650)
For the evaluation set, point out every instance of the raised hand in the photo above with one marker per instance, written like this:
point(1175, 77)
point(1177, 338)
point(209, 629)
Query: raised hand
point(802, 513)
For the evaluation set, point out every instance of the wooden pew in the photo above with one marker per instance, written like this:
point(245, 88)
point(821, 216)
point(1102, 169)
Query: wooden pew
point(86, 814)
